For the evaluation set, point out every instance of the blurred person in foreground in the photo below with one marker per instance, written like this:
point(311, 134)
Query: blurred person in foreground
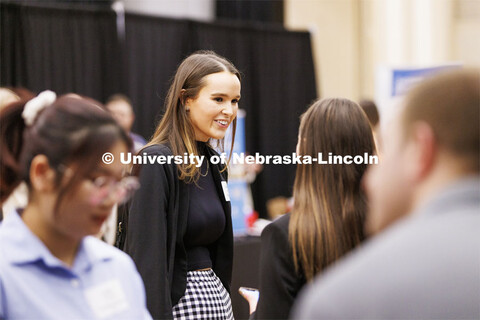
point(50, 266)
point(121, 109)
point(425, 198)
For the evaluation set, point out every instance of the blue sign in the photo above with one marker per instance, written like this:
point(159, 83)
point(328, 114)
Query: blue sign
point(237, 185)
point(404, 79)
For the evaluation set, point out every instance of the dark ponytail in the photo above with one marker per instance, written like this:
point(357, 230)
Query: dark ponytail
point(12, 127)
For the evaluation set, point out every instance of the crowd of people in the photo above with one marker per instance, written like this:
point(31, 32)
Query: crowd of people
point(394, 240)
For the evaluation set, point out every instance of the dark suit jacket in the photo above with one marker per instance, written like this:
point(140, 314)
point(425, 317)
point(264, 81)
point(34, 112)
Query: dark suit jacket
point(279, 282)
point(157, 221)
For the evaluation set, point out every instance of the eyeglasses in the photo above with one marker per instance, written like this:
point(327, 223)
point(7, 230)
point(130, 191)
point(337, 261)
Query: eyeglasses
point(108, 188)
point(117, 191)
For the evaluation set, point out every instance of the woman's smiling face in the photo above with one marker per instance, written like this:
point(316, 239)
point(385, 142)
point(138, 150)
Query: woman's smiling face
point(215, 106)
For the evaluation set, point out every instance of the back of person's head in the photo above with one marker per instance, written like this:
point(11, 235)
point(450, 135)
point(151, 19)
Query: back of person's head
point(450, 105)
point(68, 131)
point(371, 110)
point(176, 128)
point(433, 142)
point(329, 204)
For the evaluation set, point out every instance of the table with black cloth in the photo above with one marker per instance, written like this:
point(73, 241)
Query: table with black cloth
point(246, 270)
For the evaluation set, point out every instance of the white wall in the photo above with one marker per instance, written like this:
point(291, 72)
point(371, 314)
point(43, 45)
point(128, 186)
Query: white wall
point(334, 25)
point(466, 32)
point(352, 38)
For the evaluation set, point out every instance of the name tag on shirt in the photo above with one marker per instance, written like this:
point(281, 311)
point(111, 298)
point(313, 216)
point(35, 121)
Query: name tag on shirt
point(225, 191)
point(106, 299)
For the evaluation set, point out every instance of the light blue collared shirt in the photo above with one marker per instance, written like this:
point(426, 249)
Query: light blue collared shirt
point(103, 282)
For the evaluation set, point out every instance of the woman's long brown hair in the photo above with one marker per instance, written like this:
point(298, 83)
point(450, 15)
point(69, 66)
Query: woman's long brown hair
point(175, 128)
point(329, 203)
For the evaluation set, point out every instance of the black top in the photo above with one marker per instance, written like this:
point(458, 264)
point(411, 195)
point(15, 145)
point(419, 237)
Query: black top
point(157, 222)
point(279, 282)
point(206, 219)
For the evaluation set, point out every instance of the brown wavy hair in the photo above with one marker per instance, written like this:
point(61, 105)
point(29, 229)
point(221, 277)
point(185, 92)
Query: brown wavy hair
point(330, 206)
point(175, 128)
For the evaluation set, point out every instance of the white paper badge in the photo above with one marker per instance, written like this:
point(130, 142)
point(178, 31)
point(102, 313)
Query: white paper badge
point(106, 299)
point(225, 191)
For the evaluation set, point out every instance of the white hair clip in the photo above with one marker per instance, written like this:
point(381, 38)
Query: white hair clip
point(34, 106)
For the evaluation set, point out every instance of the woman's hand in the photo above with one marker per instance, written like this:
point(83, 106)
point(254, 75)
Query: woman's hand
point(251, 295)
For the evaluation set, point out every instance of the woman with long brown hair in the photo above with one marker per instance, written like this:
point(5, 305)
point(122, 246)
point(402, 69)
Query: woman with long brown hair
point(329, 206)
point(179, 229)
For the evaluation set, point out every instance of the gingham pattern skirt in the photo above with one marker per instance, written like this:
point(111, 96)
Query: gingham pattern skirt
point(205, 298)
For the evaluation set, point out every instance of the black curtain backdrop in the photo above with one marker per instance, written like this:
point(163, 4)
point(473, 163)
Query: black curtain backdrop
point(77, 50)
point(251, 10)
point(63, 49)
point(154, 47)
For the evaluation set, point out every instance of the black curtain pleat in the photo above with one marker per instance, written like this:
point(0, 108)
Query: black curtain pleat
point(251, 10)
point(154, 47)
point(78, 50)
point(284, 82)
point(65, 50)
point(12, 51)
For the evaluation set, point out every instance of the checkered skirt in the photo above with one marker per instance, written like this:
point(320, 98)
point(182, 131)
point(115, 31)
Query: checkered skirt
point(205, 298)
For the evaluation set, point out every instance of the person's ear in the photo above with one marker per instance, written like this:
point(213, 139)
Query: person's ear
point(424, 150)
point(42, 176)
point(185, 101)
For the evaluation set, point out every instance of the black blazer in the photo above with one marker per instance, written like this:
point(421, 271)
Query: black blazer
point(279, 282)
point(157, 221)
